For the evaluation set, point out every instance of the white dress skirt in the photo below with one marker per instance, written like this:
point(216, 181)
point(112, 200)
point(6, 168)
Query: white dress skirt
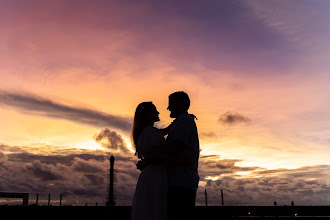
point(150, 197)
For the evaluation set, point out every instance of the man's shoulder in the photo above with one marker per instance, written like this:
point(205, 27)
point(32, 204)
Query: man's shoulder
point(188, 119)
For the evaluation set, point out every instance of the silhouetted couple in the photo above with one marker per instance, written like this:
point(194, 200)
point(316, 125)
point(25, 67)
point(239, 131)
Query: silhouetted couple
point(166, 188)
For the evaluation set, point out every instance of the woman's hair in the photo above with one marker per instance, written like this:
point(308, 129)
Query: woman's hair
point(140, 120)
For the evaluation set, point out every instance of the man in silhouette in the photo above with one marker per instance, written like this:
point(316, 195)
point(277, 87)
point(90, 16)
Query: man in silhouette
point(182, 179)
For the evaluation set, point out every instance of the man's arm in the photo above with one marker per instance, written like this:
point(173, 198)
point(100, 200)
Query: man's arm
point(176, 140)
point(164, 154)
point(166, 130)
point(165, 159)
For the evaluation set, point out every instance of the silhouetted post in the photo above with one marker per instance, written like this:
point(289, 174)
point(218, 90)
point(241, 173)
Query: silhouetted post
point(222, 203)
point(275, 203)
point(37, 199)
point(292, 203)
point(49, 199)
point(61, 199)
point(111, 197)
point(112, 161)
point(205, 198)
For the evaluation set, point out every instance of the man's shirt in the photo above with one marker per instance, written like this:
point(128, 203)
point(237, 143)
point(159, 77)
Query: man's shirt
point(184, 131)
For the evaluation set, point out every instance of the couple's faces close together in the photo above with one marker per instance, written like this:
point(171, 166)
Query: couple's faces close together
point(172, 107)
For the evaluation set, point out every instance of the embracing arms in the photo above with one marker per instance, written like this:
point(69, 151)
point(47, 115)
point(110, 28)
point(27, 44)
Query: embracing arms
point(166, 130)
point(165, 156)
point(166, 153)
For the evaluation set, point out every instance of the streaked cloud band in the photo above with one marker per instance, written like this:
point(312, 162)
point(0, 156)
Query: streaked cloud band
point(33, 104)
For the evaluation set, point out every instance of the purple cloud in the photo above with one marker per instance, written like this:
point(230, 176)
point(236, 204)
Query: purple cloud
point(32, 104)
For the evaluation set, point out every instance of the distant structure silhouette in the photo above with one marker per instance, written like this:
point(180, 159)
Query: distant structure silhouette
point(24, 196)
point(61, 199)
point(111, 196)
point(37, 200)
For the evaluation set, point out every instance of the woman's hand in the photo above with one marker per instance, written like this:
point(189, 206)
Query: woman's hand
point(141, 164)
point(166, 130)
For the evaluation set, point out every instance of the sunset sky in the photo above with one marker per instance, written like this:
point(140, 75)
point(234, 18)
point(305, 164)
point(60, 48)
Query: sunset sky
point(257, 72)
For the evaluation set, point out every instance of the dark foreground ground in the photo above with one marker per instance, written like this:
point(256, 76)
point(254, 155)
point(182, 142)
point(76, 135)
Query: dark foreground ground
point(200, 212)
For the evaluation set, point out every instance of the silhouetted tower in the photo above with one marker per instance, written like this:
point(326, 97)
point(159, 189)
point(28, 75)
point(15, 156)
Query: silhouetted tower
point(111, 179)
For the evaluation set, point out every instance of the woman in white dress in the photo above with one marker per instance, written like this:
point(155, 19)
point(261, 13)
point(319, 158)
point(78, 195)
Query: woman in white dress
point(150, 198)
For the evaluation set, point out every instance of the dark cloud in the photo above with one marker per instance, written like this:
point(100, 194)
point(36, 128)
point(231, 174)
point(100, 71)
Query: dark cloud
point(212, 165)
point(32, 104)
point(263, 187)
point(113, 141)
point(207, 24)
point(96, 179)
point(81, 177)
point(43, 172)
point(54, 159)
point(232, 118)
point(81, 165)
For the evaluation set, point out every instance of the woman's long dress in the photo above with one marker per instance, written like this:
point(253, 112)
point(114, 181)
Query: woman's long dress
point(150, 198)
